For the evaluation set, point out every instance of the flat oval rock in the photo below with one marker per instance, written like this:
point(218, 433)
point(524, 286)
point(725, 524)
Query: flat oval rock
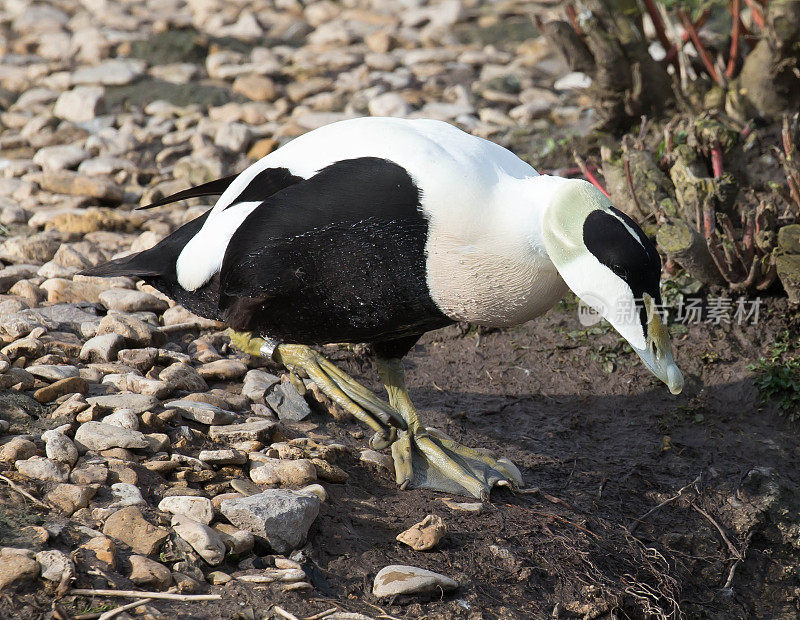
point(398, 579)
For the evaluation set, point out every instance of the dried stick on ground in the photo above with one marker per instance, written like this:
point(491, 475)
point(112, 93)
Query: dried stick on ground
point(632, 527)
point(166, 596)
point(24, 493)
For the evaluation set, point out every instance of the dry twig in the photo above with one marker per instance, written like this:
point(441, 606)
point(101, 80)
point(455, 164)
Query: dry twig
point(166, 596)
point(24, 493)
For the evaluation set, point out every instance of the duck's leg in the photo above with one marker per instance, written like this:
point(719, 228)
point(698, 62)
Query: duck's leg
point(334, 383)
point(425, 458)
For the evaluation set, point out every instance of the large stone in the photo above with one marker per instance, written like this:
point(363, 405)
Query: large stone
point(55, 565)
point(223, 370)
point(103, 348)
point(256, 383)
point(61, 157)
point(137, 403)
point(98, 436)
point(70, 497)
point(17, 449)
point(133, 330)
point(43, 469)
point(127, 300)
point(129, 526)
point(70, 385)
point(80, 104)
point(36, 249)
point(16, 565)
point(198, 509)
point(260, 430)
point(202, 412)
point(298, 472)
point(287, 403)
point(60, 448)
point(202, 538)
point(223, 457)
point(66, 182)
point(183, 377)
point(113, 72)
point(147, 572)
point(281, 517)
point(398, 579)
point(102, 549)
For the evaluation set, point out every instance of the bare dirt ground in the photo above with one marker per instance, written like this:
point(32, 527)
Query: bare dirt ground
point(603, 449)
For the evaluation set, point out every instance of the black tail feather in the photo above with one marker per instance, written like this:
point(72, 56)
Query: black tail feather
point(212, 188)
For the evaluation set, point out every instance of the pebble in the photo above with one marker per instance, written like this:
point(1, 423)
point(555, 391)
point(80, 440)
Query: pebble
point(16, 565)
point(201, 412)
point(102, 549)
point(238, 542)
point(136, 403)
point(60, 448)
point(280, 516)
point(223, 457)
point(202, 538)
point(373, 457)
point(298, 472)
point(60, 157)
point(399, 579)
point(287, 403)
point(114, 72)
point(149, 573)
point(260, 430)
point(80, 104)
point(135, 331)
point(223, 370)
point(66, 182)
point(70, 497)
point(256, 383)
point(103, 348)
point(183, 377)
point(424, 535)
point(124, 418)
point(98, 436)
point(196, 508)
point(44, 469)
point(55, 565)
point(127, 300)
point(17, 449)
point(70, 385)
point(129, 526)
point(52, 372)
point(126, 494)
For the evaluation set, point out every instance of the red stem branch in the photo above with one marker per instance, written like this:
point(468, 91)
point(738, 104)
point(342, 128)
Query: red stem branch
point(716, 159)
point(672, 52)
point(758, 16)
point(701, 49)
point(589, 176)
point(735, 30)
point(658, 23)
point(572, 14)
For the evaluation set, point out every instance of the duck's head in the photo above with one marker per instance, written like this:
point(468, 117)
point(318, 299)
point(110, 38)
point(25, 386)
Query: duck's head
point(611, 265)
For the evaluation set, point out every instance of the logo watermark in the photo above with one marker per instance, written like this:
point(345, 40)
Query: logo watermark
point(686, 310)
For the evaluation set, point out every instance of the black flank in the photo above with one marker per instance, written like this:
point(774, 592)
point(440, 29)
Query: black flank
point(339, 257)
point(611, 243)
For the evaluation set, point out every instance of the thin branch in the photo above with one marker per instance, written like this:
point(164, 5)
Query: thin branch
point(636, 522)
point(701, 49)
point(755, 11)
point(736, 29)
point(735, 565)
point(658, 23)
point(322, 614)
point(572, 15)
point(115, 612)
point(284, 614)
point(716, 159)
point(731, 547)
point(630, 185)
point(672, 52)
point(588, 174)
point(24, 493)
point(166, 596)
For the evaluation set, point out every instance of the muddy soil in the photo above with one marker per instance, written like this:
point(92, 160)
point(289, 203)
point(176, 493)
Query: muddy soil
point(602, 448)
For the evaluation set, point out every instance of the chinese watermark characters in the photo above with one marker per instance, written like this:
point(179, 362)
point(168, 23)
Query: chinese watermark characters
point(686, 310)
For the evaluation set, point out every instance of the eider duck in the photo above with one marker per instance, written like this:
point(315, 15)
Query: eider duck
point(377, 230)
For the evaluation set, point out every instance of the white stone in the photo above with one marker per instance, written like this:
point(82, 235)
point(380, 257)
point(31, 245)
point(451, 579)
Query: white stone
point(389, 104)
point(126, 494)
point(573, 80)
point(198, 509)
point(99, 436)
point(116, 72)
point(60, 448)
point(80, 104)
point(202, 538)
point(60, 157)
point(399, 579)
point(55, 565)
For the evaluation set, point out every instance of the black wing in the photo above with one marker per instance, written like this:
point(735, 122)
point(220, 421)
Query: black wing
point(339, 257)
